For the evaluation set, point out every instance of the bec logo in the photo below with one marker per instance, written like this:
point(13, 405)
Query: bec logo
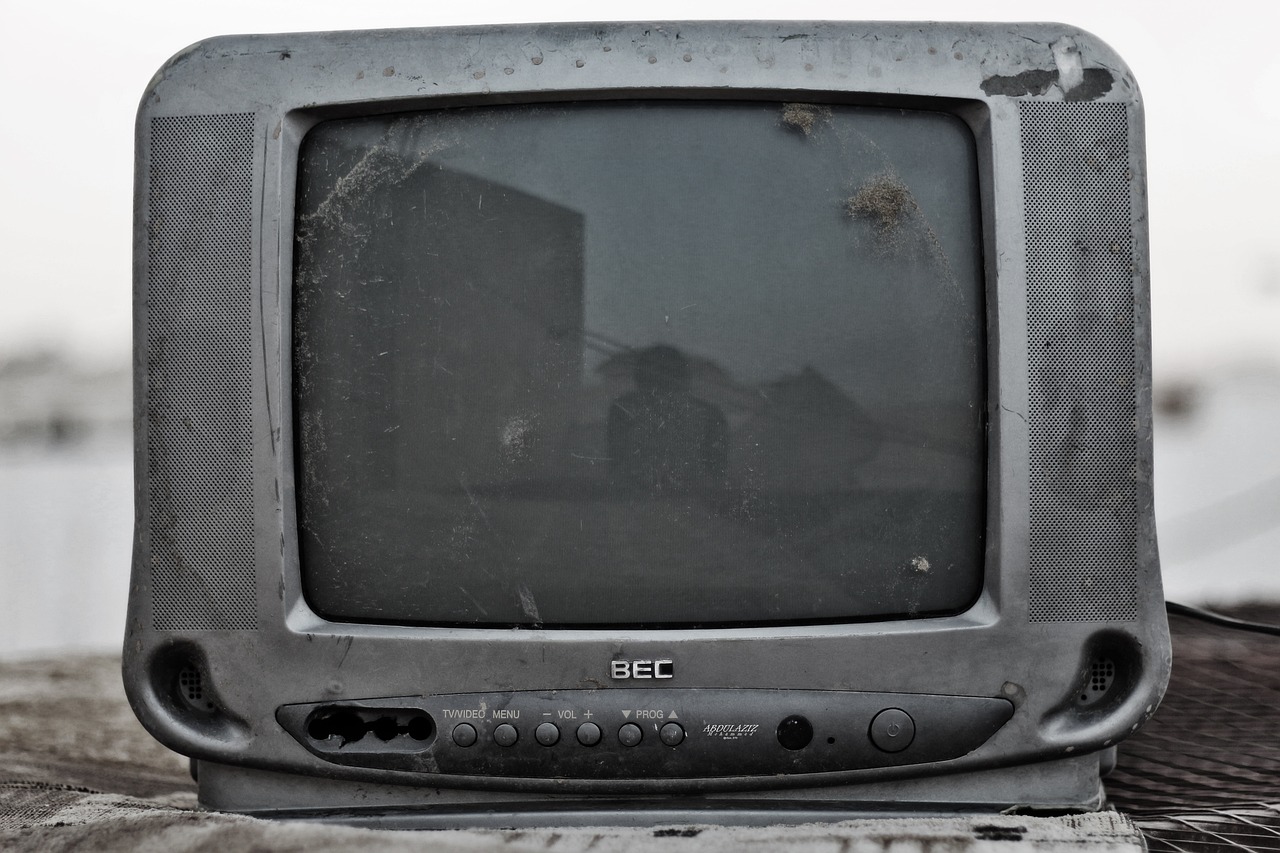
point(621, 669)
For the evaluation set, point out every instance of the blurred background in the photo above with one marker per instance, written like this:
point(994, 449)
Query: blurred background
point(74, 74)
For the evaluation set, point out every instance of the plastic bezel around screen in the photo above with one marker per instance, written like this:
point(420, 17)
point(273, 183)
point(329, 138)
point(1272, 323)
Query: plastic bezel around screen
point(297, 124)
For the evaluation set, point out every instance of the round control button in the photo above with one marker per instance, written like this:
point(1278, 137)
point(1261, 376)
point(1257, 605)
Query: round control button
point(893, 730)
point(464, 734)
point(588, 734)
point(795, 732)
point(672, 734)
point(505, 735)
point(630, 734)
point(546, 734)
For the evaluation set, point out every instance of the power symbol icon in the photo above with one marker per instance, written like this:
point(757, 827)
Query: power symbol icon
point(892, 730)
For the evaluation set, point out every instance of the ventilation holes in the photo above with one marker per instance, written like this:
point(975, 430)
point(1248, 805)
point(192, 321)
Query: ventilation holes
point(1102, 674)
point(199, 400)
point(189, 681)
point(191, 690)
point(1082, 362)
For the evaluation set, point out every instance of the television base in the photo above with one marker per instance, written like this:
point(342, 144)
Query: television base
point(1066, 786)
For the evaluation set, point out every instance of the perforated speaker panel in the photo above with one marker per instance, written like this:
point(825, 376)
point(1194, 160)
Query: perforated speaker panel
point(199, 398)
point(1082, 406)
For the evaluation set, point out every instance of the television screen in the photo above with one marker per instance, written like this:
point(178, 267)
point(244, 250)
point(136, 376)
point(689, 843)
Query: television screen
point(652, 363)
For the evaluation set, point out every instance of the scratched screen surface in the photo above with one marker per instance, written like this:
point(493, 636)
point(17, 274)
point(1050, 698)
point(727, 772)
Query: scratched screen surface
point(639, 364)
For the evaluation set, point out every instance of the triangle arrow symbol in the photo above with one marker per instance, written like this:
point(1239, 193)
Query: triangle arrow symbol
point(626, 715)
point(672, 716)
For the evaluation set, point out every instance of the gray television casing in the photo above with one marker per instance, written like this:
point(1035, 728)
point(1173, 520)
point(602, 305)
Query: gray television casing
point(1016, 702)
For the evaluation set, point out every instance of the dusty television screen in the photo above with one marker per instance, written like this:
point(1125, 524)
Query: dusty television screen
point(639, 364)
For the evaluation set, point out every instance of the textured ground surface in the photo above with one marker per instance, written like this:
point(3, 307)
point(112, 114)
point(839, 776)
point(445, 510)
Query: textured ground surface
point(78, 772)
point(1204, 774)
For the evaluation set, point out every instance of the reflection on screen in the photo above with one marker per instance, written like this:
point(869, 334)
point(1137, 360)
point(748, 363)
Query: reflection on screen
point(646, 363)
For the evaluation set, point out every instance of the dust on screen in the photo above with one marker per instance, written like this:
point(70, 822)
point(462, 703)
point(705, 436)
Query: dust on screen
point(644, 363)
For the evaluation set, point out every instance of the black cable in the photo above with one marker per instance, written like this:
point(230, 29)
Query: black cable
point(1176, 609)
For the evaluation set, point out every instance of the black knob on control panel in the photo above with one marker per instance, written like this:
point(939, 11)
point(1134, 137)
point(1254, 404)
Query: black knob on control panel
point(795, 732)
point(630, 735)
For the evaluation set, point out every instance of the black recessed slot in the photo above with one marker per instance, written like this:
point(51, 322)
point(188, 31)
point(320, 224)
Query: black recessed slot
point(332, 727)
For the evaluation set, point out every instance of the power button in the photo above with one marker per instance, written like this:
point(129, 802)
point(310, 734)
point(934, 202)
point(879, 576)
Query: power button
point(893, 730)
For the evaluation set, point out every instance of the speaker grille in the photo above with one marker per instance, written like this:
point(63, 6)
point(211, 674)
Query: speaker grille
point(1082, 359)
point(199, 403)
point(1102, 674)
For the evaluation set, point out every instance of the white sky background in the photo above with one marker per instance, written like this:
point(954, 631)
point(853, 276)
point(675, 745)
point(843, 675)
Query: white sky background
point(73, 74)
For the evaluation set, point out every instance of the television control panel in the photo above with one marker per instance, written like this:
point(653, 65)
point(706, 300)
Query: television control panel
point(637, 733)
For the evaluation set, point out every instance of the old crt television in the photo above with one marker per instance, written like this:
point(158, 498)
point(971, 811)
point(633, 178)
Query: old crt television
point(731, 421)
